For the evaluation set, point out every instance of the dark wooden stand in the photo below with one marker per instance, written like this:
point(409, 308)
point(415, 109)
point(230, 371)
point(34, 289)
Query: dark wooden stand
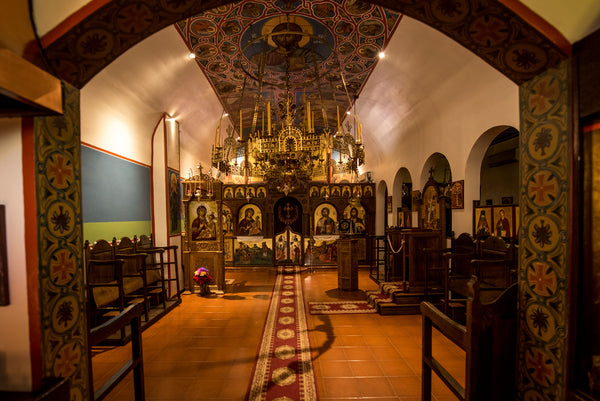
point(409, 265)
point(347, 264)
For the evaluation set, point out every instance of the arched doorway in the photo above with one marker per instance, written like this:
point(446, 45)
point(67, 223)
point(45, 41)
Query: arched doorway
point(539, 112)
point(287, 228)
point(381, 214)
point(402, 199)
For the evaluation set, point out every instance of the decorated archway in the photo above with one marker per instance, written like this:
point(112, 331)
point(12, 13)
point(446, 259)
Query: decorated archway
point(85, 44)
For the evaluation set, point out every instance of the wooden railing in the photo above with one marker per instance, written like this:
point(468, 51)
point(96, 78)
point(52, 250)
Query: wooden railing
point(130, 316)
point(489, 340)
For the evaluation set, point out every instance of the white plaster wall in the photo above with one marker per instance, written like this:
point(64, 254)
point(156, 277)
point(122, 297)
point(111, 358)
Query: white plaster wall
point(15, 358)
point(159, 186)
point(48, 14)
point(409, 113)
point(122, 104)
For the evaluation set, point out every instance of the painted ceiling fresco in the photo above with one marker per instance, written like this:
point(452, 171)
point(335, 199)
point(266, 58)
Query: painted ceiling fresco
point(327, 63)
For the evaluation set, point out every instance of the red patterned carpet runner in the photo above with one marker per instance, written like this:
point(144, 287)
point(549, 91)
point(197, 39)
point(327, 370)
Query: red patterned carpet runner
point(283, 370)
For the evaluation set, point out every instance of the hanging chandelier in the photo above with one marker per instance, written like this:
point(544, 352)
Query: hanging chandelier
point(290, 143)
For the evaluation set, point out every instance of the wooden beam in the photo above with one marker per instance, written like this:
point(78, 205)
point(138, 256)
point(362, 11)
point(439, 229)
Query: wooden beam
point(25, 89)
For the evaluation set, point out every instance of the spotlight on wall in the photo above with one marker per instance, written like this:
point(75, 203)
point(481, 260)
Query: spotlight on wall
point(381, 54)
point(192, 55)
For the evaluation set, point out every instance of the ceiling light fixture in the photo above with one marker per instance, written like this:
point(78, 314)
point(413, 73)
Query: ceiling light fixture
point(286, 141)
point(192, 55)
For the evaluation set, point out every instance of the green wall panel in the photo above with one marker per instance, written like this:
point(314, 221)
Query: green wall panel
point(94, 231)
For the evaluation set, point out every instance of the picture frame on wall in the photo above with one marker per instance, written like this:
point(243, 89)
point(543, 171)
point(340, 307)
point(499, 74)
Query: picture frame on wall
point(503, 221)
point(498, 220)
point(482, 221)
point(416, 200)
point(457, 195)
point(389, 204)
point(174, 202)
point(202, 220)
point(404, 218)
point(4, 295)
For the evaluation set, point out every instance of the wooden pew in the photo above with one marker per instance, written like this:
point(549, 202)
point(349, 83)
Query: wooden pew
point(489, 339)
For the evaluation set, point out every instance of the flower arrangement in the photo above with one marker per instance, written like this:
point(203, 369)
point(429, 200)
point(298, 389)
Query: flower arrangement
point(203, 278)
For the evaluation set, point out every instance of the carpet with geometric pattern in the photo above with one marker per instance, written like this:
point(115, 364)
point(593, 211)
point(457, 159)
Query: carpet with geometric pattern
point(340, 307)
point(283, 369)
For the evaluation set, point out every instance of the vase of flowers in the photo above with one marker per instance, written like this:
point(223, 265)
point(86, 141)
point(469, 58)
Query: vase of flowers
point(203, 278)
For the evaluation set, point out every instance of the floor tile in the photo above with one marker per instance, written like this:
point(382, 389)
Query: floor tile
point(206, 347)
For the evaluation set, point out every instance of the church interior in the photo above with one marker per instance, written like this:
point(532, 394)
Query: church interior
point(299, 200)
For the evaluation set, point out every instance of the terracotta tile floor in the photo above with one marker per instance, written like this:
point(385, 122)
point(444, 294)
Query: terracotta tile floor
point(205, 348)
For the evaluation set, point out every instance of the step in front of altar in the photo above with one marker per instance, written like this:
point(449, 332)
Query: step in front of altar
point(395, 298)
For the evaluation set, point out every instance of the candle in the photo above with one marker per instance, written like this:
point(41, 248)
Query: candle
point(219, 129)
point(308, 125)
point(269, 117)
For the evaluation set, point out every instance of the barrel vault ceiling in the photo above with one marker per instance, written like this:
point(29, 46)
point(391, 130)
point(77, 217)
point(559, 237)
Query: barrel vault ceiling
point(348, 35)
point(329, 66)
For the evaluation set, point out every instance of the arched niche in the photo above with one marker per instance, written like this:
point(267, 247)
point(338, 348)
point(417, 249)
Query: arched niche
point(438, 167)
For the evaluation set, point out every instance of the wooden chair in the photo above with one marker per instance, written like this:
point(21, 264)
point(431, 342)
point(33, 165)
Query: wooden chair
point(155, 262)
point(495, 262)
point(459, 271)
point(104, 281)
point(435, 270)
point(134, 273)
point(489, 339)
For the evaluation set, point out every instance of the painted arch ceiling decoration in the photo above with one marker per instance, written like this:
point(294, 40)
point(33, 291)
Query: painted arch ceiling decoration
point(486, 27)
point(335, 55)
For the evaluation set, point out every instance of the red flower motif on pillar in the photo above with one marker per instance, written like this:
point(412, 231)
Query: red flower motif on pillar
point(540, 367)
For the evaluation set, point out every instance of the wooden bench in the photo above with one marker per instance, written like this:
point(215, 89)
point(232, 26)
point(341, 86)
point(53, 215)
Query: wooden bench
point(489, 339)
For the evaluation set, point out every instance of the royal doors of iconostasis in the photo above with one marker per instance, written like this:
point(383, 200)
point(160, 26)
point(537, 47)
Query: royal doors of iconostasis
point(288, 238)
